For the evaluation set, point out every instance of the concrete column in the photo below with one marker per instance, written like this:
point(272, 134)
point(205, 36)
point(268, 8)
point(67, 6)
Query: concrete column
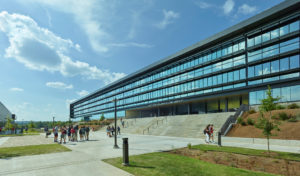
point(158, 112)
point(226, 104)
point(205, 104)
point(140, 114)
point(189, 108)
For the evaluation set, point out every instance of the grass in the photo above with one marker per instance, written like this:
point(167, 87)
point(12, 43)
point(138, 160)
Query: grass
point(8, 152)
point(161, 164)
point(245, 151)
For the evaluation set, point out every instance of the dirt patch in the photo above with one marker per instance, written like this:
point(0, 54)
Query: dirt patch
point(254, 163)
point(288, 130)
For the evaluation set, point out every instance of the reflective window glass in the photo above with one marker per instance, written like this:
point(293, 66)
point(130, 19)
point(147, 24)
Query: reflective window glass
point(252, 98)
point(266, 37)
point(230, 76)
point(250, 72)
point(219, 54)
point(250, 42)
point(284, 30)
point(295, 93)
point(235, 47)
point(266, 68)
point(236, 75)
point(274, 66)
point(242, 45)
point(275, 33)
point(276, 93)
point(205, 82)
point(284, 64)
point(224, 77)
point(258, 70)
point(285, 94)
point(294, 26)
point(229, 49)
point(294, 61)
point(215, 80)
point(220, 79)
point(243, 73)
point(209, 81)
point(224, 51)
point(257, 40)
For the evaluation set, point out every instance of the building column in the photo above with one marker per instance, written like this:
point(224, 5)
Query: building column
point(219, 105)
point(158, 112)
point(189, 108)
point(226, 104)
point(205, 105)
point(140, 114)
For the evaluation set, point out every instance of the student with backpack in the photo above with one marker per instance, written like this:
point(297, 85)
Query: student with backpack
point(87, 132)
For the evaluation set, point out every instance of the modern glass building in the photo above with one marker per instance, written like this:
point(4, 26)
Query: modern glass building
point(4, 114)
point(217, 74)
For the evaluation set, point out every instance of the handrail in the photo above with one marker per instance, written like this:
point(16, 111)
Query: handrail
point(152, 124)
point(232, 119)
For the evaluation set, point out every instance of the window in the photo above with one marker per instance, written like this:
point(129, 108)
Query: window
point(274, 66)
point(258, 70)
point(285, 94)
point(224, 77)
point(236, 75)
point(266, 37)
point(266, 68)
point(284, 64)
point(250, 42)
point(230, 76)
point(250, 72)
point(243, 73)
point(284, 30)
point(295, 93)
point(294, 61)
point(219, 79)
point(294, 26)
point(257, 40)
point(275, 33)
point(242, 45)
point(235, 47)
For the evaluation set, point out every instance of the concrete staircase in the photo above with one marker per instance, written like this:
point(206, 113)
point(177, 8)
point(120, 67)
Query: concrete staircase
point(178, 126)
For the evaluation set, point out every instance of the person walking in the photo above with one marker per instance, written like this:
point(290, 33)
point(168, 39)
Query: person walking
point(63, 134)
point(108, 131)
point(46, 131)
point(72, 134)
point(206, 132)
point(55, 132)
point(87, 132)
point(119, 130)
point(211, 132)
point(112, 130)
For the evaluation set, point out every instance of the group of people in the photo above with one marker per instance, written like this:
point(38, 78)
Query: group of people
point(209, 133)
point(71, 132)
point(111, 130)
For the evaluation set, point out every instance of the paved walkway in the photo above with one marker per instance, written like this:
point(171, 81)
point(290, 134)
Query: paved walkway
point(86, 157)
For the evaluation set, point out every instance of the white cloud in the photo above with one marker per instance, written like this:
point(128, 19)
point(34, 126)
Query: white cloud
point(16, 89)
point(131, 44)
point(228, 6)
point(169, 17)
point(203, 5)
point(68, 102)
point(40, 49)
point(59, 85)
point(82, 93)
point(247, 9)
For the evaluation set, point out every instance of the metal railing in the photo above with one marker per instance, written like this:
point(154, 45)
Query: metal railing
point(155, 124)
point(232, 119)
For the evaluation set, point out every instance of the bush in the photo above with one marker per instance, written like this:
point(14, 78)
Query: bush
point(250, 121)
point(189, 146)
point(293, 106)
point(252, 111)
point(279, 107)
point(239, 120)
point(283, 116)
point(243, 123)
point(293, 119)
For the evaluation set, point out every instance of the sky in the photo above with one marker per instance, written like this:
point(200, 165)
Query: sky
point(54, 52)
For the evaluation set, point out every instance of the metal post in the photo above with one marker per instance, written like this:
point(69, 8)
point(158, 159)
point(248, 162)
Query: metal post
point(219, 139)
point(116, 145)
point(125, 152)
point(53, 122)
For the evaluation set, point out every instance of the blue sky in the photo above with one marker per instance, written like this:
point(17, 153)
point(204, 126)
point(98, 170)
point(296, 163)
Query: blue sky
point(54, 52)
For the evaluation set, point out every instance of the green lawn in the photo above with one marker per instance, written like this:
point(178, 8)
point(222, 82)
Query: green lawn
point(164, 164)
point(31, 150)
point(245, 151)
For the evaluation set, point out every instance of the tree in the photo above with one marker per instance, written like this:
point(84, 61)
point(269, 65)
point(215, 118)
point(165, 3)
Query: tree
point(102, 117)
point(267, 124)
point(8, 124)
point(31, 125)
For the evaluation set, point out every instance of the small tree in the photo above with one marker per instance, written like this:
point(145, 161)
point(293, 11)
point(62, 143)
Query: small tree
point(31, 125)
point(266, 124)
point(102, 117)
point(8, 124)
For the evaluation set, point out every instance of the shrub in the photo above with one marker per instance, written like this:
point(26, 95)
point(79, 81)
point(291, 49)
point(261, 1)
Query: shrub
point(244, 123)
point(293, 119)
point(239, 120)
point(293, 106)
point(189, 146)
point(283, 116)
point(280, 106)
point(252, 111)
point(250, 121)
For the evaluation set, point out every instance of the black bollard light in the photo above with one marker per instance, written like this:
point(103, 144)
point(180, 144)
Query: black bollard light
point(219, 139)
point(125, 152)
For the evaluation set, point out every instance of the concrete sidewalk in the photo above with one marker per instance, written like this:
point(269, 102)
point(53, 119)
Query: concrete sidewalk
point(86, 157)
